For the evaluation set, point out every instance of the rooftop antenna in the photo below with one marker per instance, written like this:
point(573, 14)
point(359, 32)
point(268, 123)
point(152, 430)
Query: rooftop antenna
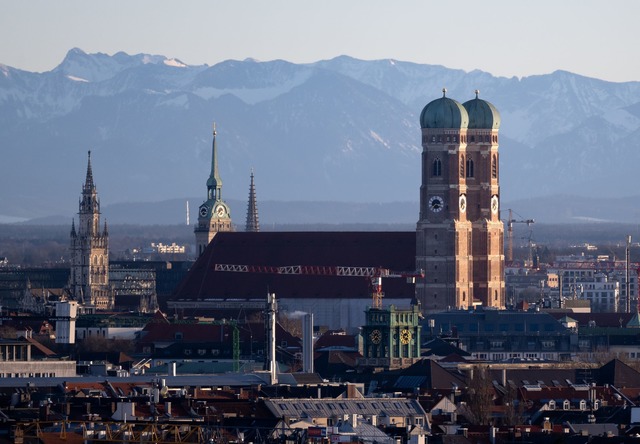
point(188, 213)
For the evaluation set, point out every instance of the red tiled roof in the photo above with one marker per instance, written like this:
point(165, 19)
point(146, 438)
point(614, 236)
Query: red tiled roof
point(393, 250)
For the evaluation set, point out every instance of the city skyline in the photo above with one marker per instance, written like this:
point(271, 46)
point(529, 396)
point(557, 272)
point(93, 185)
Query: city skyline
point(588, 38)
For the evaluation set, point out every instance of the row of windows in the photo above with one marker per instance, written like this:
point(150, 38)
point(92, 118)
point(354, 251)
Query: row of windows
point(463, 139)
point(466, 168)
point(28, 375)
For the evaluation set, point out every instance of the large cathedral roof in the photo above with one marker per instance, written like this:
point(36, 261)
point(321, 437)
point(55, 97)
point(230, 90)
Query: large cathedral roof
point(482, 114)
point(393, 250)
point(444, 113)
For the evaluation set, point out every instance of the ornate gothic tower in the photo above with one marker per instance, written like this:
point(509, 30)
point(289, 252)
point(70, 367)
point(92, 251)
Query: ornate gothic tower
point(483, 196)
point(213, 214)
point(89, 279)
point(252, 223)
point(459, 233)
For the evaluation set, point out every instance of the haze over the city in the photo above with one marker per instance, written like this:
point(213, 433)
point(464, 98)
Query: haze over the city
point(502, 37)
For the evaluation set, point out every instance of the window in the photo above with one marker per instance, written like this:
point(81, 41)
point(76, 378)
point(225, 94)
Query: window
point(437, 168)
point(469, 167)
point(494, 167)
point(462, 166)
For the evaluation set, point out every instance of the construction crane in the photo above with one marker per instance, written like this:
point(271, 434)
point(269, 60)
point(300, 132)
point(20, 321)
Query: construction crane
point(374, 274)
point(510, 223)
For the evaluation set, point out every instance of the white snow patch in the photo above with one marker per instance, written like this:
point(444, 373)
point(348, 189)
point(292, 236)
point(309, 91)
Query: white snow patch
point(175, 63)
point(77, 79)
point(375, 136)
point(255, 95)
point(180, 101)
point(622, 118)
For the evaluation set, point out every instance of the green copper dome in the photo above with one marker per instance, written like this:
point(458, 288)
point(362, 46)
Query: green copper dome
point(482, 114)
point(444, 113)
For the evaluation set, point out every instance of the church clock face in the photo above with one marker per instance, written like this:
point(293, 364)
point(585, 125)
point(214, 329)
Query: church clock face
point(203, 211)
point(463, 203)
point(436, 204)
point(220, 211)
point(494, 204)
point(375, 336)
point(405, 336)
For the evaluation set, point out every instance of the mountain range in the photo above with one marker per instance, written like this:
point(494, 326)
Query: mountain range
point(341, 133)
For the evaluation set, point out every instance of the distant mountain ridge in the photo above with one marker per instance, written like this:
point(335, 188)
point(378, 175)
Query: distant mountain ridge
point(340, 130)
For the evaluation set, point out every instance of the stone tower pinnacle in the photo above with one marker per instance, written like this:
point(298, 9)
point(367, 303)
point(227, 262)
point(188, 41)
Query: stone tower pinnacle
point(252, 224)
point(89, 277)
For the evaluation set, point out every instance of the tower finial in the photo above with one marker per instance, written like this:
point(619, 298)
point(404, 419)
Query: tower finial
point(477, 93)
point(214, 183)
point(444, 92)
point(89, 180)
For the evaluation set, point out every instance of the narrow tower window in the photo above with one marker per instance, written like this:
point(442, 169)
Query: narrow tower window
point(494, 167)
point(469, 167)
point(437, 167)
point(462, 166)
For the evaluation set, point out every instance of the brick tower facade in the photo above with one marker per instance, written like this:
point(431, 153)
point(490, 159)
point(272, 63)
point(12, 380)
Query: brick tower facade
point(459, 233)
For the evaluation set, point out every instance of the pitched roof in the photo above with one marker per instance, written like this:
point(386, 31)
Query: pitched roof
point(618, 374)
point(392, 250)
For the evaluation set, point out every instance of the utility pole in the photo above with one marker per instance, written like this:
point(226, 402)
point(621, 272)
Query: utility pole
point(627, 277)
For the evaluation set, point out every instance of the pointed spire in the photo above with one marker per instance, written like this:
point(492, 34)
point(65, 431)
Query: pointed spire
point(106, 231)
point(252, 224)
point(88, 183)
point(214, 184)
point(73, 227)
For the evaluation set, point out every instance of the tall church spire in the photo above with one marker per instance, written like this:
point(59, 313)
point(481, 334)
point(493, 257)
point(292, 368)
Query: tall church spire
point(252, 224)
point(213, 215)
point(214, 184)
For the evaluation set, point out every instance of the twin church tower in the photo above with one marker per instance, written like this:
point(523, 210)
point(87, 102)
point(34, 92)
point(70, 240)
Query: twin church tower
point(459, 236)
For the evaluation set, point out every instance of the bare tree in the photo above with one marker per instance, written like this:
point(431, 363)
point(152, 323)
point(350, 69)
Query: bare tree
point(479, 399)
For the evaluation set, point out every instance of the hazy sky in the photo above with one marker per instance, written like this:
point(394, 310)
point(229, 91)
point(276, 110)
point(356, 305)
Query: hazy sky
point(595, 38)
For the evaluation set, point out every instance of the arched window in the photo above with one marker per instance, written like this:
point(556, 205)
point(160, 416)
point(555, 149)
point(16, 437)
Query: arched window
point(494, 167)
point(437, 167)
point(469, 167)
point(462, 166)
